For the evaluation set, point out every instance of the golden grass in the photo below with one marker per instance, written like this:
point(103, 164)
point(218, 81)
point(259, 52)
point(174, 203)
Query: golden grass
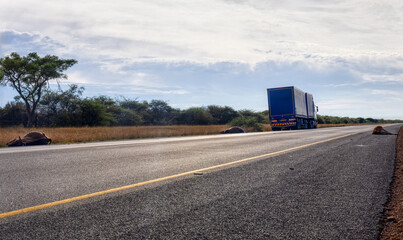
point(266, 127)
point(90, 134)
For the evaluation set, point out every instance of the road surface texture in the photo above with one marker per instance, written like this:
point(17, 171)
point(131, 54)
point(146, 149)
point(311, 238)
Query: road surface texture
point(325, 190)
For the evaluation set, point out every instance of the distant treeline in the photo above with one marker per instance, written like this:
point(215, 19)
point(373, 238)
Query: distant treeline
point(346, 120)
point(69, 109)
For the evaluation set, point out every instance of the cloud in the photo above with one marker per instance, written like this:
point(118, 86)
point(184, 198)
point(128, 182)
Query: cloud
point(207, 31)
point(378, 107)
point(76, 77)
point(203, 51)
point(116, 35)
point(25, 42)
point(386, 78)
point(385, 92)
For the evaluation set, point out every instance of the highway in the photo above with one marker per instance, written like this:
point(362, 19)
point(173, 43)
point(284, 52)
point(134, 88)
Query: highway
point(328, 183)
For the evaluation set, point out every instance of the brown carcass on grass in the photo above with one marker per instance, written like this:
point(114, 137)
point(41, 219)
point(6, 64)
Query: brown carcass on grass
point(32, 138)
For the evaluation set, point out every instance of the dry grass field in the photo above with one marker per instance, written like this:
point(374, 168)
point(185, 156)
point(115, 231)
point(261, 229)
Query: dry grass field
point(91, 134)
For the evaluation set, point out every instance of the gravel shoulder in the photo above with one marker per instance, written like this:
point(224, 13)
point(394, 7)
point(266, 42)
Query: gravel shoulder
point(392, 222)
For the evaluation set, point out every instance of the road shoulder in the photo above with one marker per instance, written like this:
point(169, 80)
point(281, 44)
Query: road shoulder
point(392, 222)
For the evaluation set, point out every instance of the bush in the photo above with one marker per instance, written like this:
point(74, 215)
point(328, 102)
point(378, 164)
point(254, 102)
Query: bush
point(128, 117)
point(251, 124)
point(13, 114)
point(222, 115)
point(195, 116)
point(94, 114)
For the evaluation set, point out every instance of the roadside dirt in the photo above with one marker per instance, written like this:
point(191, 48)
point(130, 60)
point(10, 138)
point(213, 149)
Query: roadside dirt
point(392, 222)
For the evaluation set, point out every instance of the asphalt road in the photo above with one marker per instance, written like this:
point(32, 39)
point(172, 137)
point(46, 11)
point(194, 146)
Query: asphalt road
point(329, 190)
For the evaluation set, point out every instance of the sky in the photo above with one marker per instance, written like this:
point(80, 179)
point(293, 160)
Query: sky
point(347, 53)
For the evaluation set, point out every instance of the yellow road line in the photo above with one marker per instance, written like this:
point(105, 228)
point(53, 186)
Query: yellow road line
point(69, 200)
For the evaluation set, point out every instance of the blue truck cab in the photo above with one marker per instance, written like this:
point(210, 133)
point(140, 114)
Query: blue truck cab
point(291, 108)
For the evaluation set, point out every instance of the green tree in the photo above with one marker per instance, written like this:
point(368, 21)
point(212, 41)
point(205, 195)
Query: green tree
point(320, 119)
point(30, 75)
point(112, 110)
point(250, 123)
point(345, 120)
point(161, 113)
point(361, 120)
point(139, 107)
point(94, 113)
point(371, 120)
point(265, 115)
point(222, 115)
point(133, 112)
point(127, 117)
point(246, 113)
point(195, 116)
point(61, 108)
point(13, 114)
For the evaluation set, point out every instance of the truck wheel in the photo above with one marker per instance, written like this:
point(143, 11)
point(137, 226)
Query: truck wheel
point(298, 125)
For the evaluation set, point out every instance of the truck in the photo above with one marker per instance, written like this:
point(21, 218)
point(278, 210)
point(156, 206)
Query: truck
point(291, 108)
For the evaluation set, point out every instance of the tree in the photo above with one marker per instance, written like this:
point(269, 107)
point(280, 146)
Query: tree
point(320, 119)
point(371, 120)
point(361, 120)
point(94, 113)
point(251, 123)
point(134, 105)
point(30, 75)
point(222, 115)
point(13, 114)
point(161, 113)
point(61, 108)
point(251, 114)
point(127, 117)
point(112, 110)
point(195, 116)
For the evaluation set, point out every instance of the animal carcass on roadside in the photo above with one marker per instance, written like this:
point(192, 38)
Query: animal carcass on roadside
point(32, 138)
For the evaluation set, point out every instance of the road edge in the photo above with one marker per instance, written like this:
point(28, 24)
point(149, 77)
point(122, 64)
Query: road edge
point(391, 224)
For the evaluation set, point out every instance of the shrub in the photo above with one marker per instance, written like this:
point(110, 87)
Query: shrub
point(251, 124)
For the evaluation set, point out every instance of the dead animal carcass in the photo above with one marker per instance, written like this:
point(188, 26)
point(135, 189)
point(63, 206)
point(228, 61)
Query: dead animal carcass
point(32, 138)
point(234, 130)
point(379, 130)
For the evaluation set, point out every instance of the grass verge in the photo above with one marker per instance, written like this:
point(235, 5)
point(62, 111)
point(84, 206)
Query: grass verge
point(392, 222)
point(91, 134)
